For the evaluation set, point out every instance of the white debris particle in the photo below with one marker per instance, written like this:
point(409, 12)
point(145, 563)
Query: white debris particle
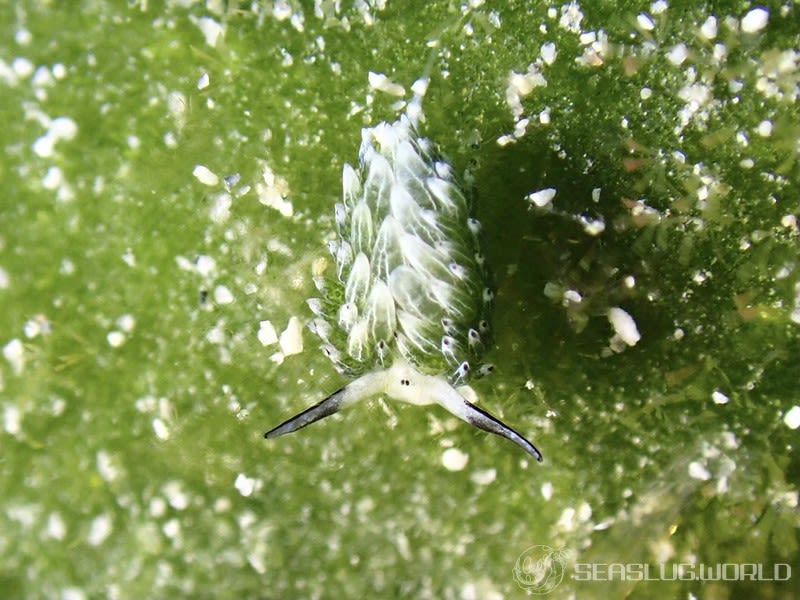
point(645, 22)
point(571, 17)
point(266, 333)
point(698, 471)
point(220, 209)
point(222, 295)
point(593, 226)
point(792, 417)
point(59, 71)
point(624, 325)
point(23, 37)
point(56, 528)
point(246, 485)
point(709, 28)
point(22, 67)
point(542, 198)
point(172, 529)
point(203, 82)
point(658, 7)
point(205, 265)
point(484, 476)
point(60, 128)
point(646, 93)
point(53, 179)
point(115, 338)
point(160, 429)
point(764, 129)
point(719, 398)
point(216, 335)
point(454, 459)
point(678, 54)
point(12, 419)
point(105, 466)
point(176, 495)
point(126, 323)
point(755, 20)
point(381, 83)
point(520, 85)
point(547, 490)
point(205, 176)
point(549, 53)
point(291, 340)
point(99, 530)
point(273, 191)
point(5, 280)
point(177, 106)
point(210, 29)
point(544, 117)
point(789, 221)
point(73, 593)
point(158, 507)
point(14, 353)
point(129, 258)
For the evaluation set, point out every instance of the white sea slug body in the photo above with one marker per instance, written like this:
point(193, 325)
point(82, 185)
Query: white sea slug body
point(408, 308)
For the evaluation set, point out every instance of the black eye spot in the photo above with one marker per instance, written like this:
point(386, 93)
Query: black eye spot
point(203, 296)
point(405, 382)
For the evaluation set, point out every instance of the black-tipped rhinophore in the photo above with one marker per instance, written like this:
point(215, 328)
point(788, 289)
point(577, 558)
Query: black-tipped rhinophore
point(327, 407)
point(483, 420)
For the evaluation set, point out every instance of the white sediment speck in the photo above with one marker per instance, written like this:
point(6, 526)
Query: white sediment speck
point(792, 417)
point(291, 340)
point(678, 54)
point(719, 398)
point(99, 530)
point(160, 429)
point(203, 82)
point(14, 353)
point(176, 495)
point(126, 323)
point(220, 209)
point(222, 295)
point(115, 338)
point(266, 333)
point(5, 280)
point(542, 198)
point(709, 28)
point(380, 82)
point(547, 490)
point(56, 528)
point(273, 190)
point(205, 176)
point(645, 22)
point(12, 419)
point(60, 128)
point(484, 476)
point(246, 485)
point(624, 325)
point(698, 471)
point(764, 129)
point(205, 265)
point(658, 7)
point(211, 30)
point(755, 20)
point(571, 17)
point(549, 53)
point(454, 459)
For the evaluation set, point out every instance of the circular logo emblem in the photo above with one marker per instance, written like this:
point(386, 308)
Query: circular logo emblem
point(539, 569)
